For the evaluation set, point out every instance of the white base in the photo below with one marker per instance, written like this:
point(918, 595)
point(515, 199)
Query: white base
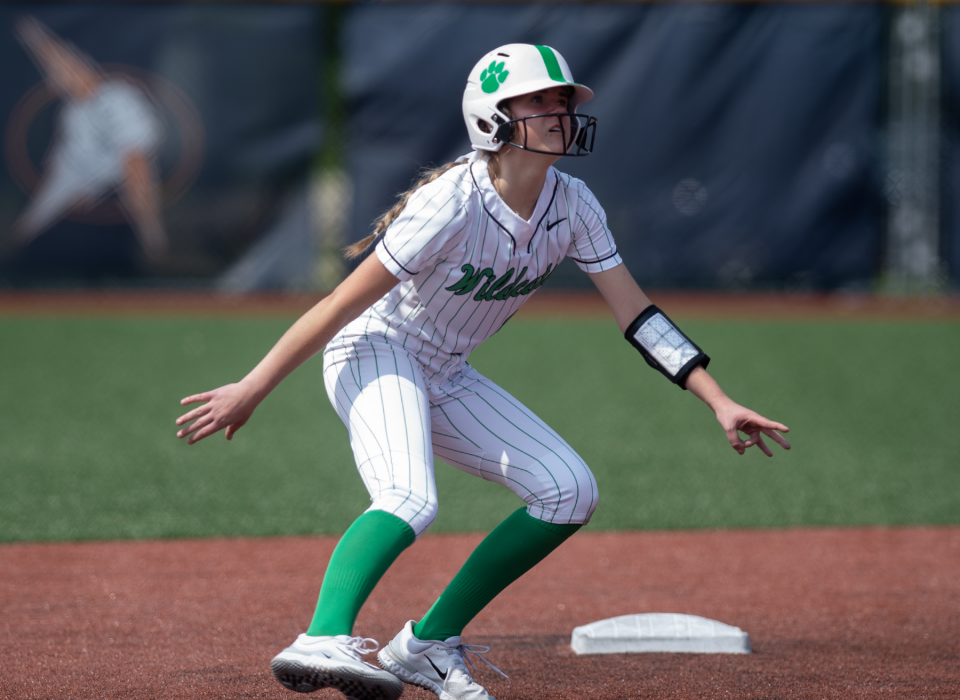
point(670, 632)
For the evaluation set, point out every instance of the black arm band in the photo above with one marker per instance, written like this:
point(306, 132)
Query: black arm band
point(664, 346)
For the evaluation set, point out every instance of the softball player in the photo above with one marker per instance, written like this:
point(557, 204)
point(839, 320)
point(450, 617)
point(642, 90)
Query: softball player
point(453, 262)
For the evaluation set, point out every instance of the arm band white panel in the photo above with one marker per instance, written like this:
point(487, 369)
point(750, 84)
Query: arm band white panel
point(664, 346)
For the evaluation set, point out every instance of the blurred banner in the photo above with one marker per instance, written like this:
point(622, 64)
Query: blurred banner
point(164, 143)
point(737, 145)
point(742, 145)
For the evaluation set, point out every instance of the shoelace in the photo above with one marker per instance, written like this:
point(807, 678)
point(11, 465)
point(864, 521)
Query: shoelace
point(478, 651)
point(360, 645)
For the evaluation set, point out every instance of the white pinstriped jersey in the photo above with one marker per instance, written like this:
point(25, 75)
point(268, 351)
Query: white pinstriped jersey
point(466, 262)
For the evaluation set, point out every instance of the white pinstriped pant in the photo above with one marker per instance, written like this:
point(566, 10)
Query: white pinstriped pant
point(398, 421)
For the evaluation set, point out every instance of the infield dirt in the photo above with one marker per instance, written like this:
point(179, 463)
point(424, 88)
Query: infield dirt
point(832, 613)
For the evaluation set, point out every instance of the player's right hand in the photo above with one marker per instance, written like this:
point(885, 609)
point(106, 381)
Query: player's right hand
point(228, 407)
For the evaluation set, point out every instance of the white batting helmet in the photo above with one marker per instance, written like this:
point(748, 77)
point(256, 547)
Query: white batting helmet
point(508, 71)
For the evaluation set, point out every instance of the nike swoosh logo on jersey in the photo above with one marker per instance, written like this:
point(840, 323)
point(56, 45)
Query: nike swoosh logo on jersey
point(439, 672)
point(550, 226)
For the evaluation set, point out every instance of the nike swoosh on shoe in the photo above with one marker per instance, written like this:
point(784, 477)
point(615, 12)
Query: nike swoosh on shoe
point(439, 672)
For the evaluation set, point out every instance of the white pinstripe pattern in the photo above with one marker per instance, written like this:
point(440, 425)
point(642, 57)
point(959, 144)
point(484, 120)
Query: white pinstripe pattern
point(398, 420)
point(456, 223)
point(398, 376)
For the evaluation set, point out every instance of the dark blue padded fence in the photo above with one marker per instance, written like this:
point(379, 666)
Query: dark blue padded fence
point(950, 187)
point(737, 146)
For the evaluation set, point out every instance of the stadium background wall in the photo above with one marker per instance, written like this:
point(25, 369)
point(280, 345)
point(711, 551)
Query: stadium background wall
point(739, 146)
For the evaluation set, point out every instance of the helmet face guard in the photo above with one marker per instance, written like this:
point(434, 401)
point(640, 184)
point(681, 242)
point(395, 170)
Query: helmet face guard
point(577, 130)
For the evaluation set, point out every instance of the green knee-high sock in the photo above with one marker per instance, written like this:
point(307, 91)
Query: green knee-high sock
point(513, 548)
point(363, 555)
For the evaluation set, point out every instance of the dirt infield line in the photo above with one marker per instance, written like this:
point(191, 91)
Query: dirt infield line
point(832, 613)
point(700, 305)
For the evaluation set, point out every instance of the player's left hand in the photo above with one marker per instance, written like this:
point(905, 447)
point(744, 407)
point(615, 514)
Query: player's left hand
point(736, 419)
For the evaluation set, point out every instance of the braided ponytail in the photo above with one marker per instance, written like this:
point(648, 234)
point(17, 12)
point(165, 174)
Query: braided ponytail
point(427, 176)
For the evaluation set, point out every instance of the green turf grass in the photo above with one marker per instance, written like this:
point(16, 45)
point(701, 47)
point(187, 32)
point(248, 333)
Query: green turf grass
point(87, 446)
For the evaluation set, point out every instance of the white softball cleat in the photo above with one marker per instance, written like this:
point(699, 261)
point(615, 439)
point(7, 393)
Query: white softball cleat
point(311, 663)
point(440, 667)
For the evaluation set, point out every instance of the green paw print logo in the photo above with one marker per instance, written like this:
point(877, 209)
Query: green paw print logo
point(492, 76)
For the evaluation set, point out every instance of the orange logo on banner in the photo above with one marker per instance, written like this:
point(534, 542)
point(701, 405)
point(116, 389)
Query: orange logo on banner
point(113, 124)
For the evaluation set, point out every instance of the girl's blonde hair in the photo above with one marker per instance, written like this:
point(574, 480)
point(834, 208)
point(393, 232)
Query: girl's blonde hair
point(427, 176)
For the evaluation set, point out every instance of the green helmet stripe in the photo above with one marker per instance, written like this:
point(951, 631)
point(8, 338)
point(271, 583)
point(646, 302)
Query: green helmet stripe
point(553, 66)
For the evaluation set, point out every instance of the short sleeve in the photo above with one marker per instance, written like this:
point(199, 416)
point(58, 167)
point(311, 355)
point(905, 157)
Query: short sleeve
point(427, 226)
point(592, 246)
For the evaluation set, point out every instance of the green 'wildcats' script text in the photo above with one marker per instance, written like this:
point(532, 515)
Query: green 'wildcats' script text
point(499, 288)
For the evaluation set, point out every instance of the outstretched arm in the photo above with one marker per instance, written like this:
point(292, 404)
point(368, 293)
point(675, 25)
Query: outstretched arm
point(734, 418)
point(232, 405)
point(68, 71)
point(627, 301)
